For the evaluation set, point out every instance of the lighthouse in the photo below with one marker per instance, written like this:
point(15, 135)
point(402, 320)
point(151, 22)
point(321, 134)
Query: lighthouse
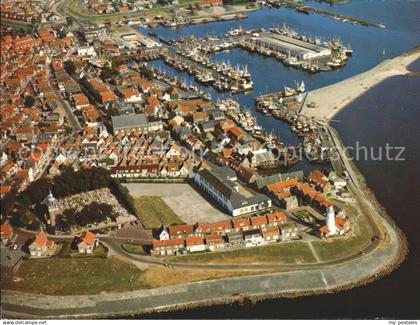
point(332, 230)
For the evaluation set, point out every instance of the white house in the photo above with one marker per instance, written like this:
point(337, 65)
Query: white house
point(86, 51)
point(220, 183)
point(195, 244)
point(253, 237)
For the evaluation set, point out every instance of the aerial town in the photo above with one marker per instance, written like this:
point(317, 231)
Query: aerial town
point(112, 164)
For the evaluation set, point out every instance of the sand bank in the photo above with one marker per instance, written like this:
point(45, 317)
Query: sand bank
point(331, 99)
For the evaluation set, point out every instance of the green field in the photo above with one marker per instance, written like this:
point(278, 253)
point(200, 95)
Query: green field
point(154, 212)
point(292, 252)
point(340, 247)
point(67, 276)
point(133, 249)
point(351, 209)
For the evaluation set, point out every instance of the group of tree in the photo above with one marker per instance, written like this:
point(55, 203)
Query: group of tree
point(88, 86)
point(23, 217)
point(92, 213)
point(147, 73)
point(29, 101)
point(70, 67)
point(27, 209)
point(71, 182)
point(108, 73)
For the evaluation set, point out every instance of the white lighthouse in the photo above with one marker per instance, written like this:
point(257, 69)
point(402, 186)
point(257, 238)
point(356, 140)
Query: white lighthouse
point(332, 230)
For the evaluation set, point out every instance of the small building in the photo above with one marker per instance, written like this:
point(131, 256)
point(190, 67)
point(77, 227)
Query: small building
point(86, 51)
point(288, 232)
point(290, 202)
point(41, 245)
point(195, 244)
point(258, 221)
point(180, 231)
point(241, 224)
point(215, 242)
point(271, 234)
point(87, 243)
point(6, 233)
point(167, 247)
point(276, 218)
point(235, 238)
point(253, 237)
point(336, 181)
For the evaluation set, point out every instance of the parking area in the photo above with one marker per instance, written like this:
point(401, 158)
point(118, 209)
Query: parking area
point(183, 199)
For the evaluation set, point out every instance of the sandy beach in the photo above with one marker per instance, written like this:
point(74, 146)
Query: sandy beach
point(331, 99)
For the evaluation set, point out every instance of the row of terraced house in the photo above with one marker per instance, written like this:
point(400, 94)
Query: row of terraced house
point(227, 234)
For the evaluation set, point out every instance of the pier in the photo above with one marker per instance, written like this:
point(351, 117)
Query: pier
point(223, 77)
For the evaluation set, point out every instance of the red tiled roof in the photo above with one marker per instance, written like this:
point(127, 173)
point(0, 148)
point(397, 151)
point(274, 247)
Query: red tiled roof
point(276, 216)
point(88, 237)
point(214, 239)
point(194, 240)
point(258, 220)
point(181, 230)
point(239, 223)
point(168, 243)
point(6, 230)
point(40, 239)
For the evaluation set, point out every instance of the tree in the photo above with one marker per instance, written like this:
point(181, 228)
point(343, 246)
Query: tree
point(69, 20)
point(70, 67)
point(108, 73)
point(147, 73)
point(7, 202)
point(38, 190)
point(29, 101)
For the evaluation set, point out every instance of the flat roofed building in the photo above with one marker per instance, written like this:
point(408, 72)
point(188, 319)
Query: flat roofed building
point(220, 183)
point(135, 122)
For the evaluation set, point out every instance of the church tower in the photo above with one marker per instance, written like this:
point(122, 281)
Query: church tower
point(53, 208)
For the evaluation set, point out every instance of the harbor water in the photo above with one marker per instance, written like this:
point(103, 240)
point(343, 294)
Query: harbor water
point(388, 113)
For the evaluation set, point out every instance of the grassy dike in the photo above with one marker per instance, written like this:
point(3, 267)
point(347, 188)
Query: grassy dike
point(291, 252)
point(378, 206)
point(90, 276)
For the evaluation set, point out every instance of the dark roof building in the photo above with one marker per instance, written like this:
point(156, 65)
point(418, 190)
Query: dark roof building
point(132, 122)
point(221, 184)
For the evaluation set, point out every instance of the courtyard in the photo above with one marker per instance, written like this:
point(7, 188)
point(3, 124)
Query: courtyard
point(183, 199)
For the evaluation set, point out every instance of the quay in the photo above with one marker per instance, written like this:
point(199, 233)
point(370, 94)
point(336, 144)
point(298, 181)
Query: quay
point(308, 10)
point(283, 43)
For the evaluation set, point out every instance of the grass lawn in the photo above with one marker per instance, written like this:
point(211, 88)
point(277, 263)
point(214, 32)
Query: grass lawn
point(133, 249)
point(351, 210)
point(67, 276)
point(339, 247)
point(293, 252)
point(153, 212)
point(97, 275)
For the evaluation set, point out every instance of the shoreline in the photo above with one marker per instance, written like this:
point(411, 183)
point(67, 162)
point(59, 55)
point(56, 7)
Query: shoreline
point(348, 90)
